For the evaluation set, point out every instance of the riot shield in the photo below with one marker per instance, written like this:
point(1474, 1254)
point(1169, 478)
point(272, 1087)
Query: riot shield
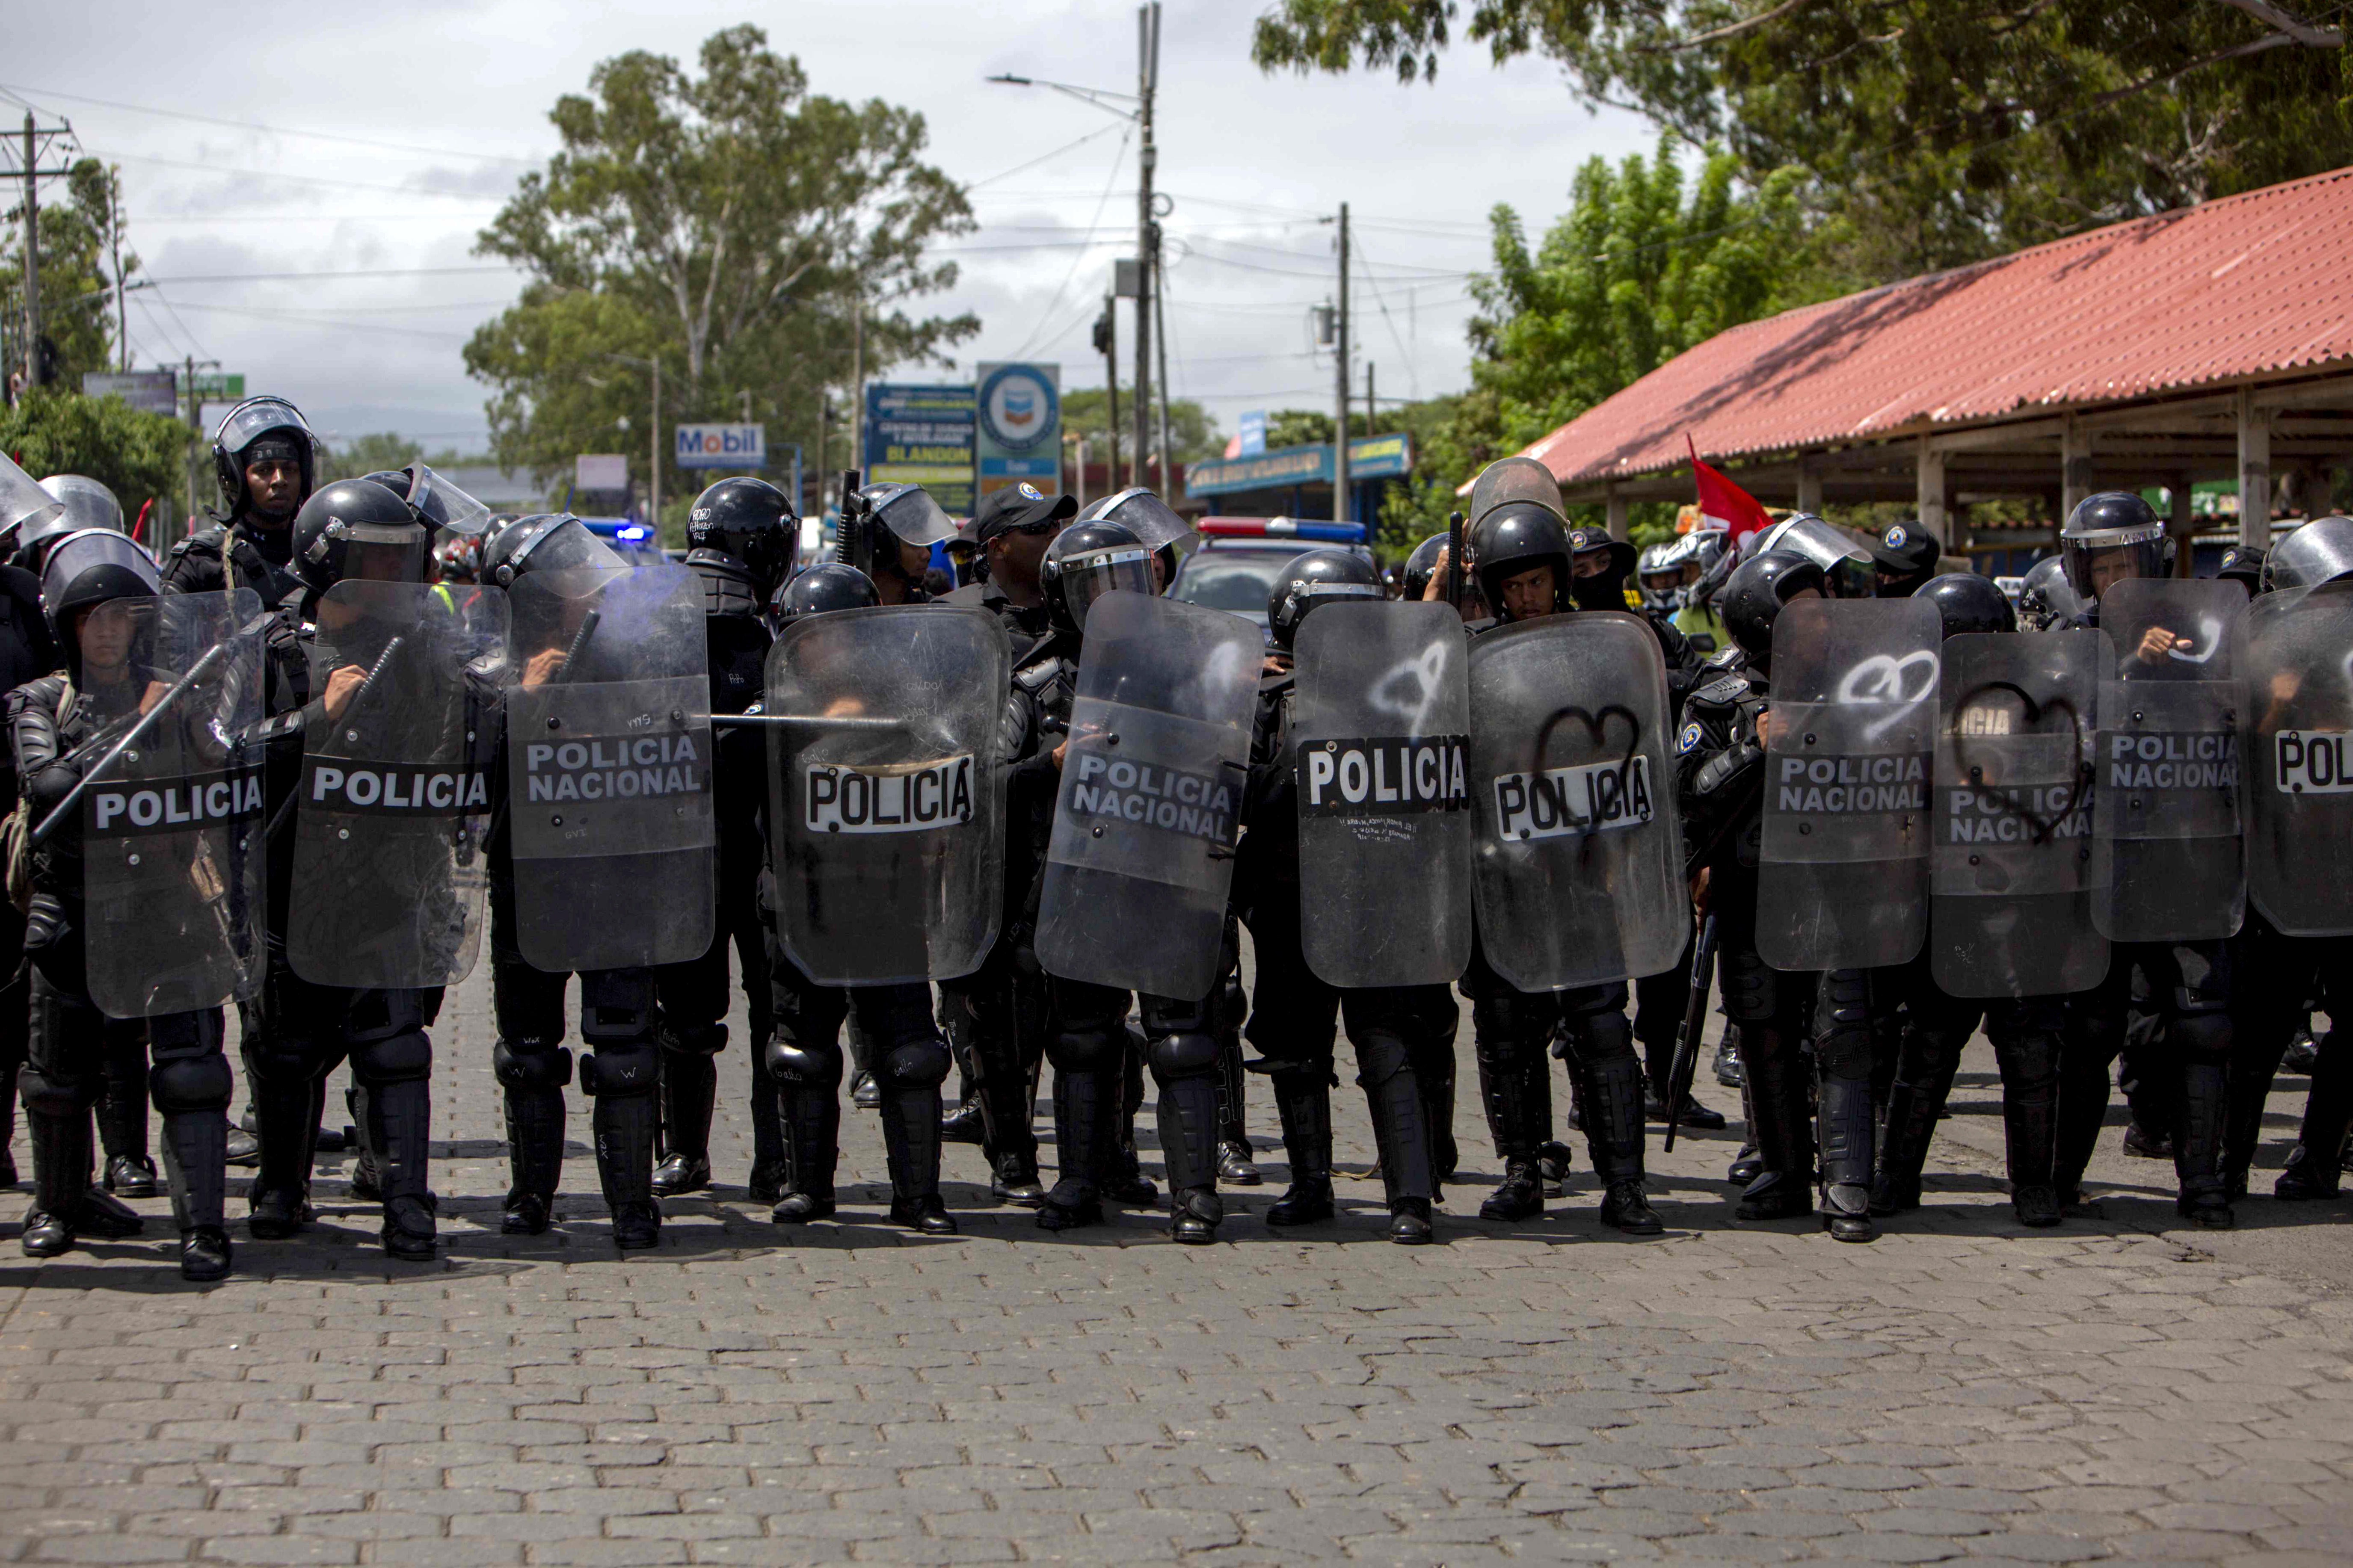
point(608, 750)
point(388, 869)
point(2294, 661)
point(886, 792)
point(1142, 853)
point(1842, 878)
point(2165, 789)
point(171, 830)
point(1380, 735)
point(1578, 865)
point(2012, 872)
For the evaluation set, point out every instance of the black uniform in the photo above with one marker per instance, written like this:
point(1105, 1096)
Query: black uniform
point(2275, 979)
point(27, 653)
point(1659, 999)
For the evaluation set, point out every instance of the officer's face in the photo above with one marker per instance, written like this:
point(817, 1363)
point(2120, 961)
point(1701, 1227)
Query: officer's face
point(2110, 567)
point(1530, 594)
point(1017, 555)
point(1589, 564)
point(105, 640)
point(273, 483)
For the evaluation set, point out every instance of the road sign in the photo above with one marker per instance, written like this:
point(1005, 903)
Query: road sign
point(218, 386)
point(721, 446)
point(922, 436)
point(152, 390)
point(1020, 410)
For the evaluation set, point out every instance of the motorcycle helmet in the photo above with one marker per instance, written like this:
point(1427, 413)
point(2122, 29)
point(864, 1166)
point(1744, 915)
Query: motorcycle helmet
point(1317, 577)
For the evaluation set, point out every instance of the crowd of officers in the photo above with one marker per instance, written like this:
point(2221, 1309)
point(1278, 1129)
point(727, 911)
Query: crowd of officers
point(1843, 1072)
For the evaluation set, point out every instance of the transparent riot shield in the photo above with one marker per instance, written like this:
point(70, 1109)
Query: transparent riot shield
point(388, 870)
point(886, 792)
point(2014, 869)
point(1579, 864)
point(1380, 740)
point(1843, 878)
point(2165, 799)
point(171, 830)
point(1145, 821)
point(608, 754)
point(2294, 661)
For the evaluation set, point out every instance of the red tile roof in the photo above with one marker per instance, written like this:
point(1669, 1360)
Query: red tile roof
point(2219, 292)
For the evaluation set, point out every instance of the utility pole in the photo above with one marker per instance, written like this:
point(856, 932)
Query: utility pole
point(1340, 499)
point(745, 394)
point(857, 386)
point(654, 443)
point(197, 433)
point(823, 398)
point(1107, 341)
point(1160, 321)
point(34, 174)
point(1147, 77)
point(1371, 403)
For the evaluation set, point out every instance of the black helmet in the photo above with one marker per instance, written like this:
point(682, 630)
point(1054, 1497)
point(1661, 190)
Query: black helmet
point(249, 424)
point(357, 528)
point(1753, 596)
point(2318, 551)
point(1968, 602)
point(1086, 560)
point(2103, 525)
point(552, 542)
point(2046, 600)
point(1517, 537)
point(1605, 589)
point(88, 568)
point(1314, 578)
point(827, 586)
point(84, 503)
point(904, 512)
point(23, 504)
point(2243, 564)
point(743, 537)
point(1421, 567)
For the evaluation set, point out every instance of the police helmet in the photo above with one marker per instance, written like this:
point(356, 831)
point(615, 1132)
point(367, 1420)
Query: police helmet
point(552, 542)
point(357, 528)
point(85, 569)
point(85, 503)
point(1516, 537)
point(1662, 577)
point(1318, 576)
point(2046, 599)
point(1965, 602)
point(827, 586)
point(1421, 567)
point(1086, 560)
point(23, 504)
point(1755, 593)
point(2115, 528)
point(262, 428)
point(2319, 551)
point(1509, 481)
point(746, 523)
point(1604, 588)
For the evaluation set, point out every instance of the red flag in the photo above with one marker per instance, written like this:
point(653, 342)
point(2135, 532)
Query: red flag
point(1723, 504)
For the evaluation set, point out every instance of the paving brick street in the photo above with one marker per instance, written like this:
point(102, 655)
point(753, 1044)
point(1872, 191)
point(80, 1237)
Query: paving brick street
point(1546, 1392)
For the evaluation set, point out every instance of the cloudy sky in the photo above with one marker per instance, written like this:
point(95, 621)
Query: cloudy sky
point(329, 137)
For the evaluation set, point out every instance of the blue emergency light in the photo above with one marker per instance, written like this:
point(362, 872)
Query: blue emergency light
point(1282, 528)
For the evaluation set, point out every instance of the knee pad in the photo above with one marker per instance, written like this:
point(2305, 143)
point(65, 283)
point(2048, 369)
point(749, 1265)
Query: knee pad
point(1192, 1054)
point(2030, 1057)
point(617, 1007)
point(58, 1096)
point(1082, 1049)
point(197, 1034)
point(806, 1066)
point(916, 1064)
point(1752, 988)
point(693, 1040)
point(397, 1059)
point(1506, 1017)
point(1598, 1036)
point(517, 1066)
point(191, 1083)
point(2202, 1036)
point(623, 1070)
point(1381, 1056)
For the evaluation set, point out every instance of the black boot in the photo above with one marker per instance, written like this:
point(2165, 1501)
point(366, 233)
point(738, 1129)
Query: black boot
point(1912, 1107)
point(1658, 1062)
point(2083, 1113)
point(1611, 1090)
point(286, 1121)
point(1236, 1158)
point(1730, 1070)
point(1187, 1115)
point(534, 1115)
point(2030, 1126)
point(1123, 1180)
point(689, 1088)
point(911, 1148)
point(1303, 1099)
point(2198, 1145)
point(1006, 1098)
point(60, 1178)
point(399, 1129)
point(1433, 1069)
point(1845, 1113)
point(767, 1182)
point(1519, 1108)
point(122, 1113)
point(2316, 1165)
point(1085, 1110)
point(367, 1179)
point(811, 1114)
point(624, 1128)
point(1195, 1214)
point(1777, 1092)
point(195, 1167)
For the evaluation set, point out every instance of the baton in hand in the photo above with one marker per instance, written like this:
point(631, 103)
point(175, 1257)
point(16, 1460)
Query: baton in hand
point(147, 722)
point(1686, 1060)
point(1454, 561)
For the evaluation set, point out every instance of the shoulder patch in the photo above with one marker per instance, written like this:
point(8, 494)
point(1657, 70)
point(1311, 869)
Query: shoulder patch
point(1689, 738)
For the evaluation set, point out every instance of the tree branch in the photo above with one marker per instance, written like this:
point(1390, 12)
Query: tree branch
point(1718, 35)
point(2295, 27)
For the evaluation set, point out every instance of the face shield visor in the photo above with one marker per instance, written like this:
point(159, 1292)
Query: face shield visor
point(1827, 547)
point(23, 504)
point(2096, 560)
point(567, 546)
point(1147, 516)
point(1304, 596)
point(444, 505)
point(1513, 479)
point(92, 550)
point(2319, 551)
point(910, 514)
point(1089, 574)
point(87, 503)
point(246, 422)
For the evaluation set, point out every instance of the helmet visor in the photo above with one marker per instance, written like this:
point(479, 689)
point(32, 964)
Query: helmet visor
point(2319, 551)
point(255, 417)
point(87, 503)
point(911, 514)
point(2094, 562)
point(23, 504)
point(1146, 515)
point(90, 549)
point(1515, 479)
point(1817, 541)
point(567, 546)
point(444, 505)
point(1089, 574)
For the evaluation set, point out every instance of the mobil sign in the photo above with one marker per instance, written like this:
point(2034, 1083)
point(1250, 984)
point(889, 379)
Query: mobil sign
point(721, 446)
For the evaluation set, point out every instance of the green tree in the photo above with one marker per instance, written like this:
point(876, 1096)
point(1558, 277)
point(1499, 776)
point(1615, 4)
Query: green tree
point(386, 449)
point(1936, 132)
point(731, 225)
point(81, 259)
point(141, 457)
point(1192, 431)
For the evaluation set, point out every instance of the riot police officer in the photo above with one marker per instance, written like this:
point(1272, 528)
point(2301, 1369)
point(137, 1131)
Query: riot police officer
point(1399, 1032)
point(887, 533)
point(743, 542)
point(1904, 558)
point(26, 651)
point(805, 1056)
point(61, 726)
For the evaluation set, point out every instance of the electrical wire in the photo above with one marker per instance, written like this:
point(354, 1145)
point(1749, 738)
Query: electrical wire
point(272, 129)
point(1117, 157)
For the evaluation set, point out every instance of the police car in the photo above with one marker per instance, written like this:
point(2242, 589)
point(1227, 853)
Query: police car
point(1235, 566)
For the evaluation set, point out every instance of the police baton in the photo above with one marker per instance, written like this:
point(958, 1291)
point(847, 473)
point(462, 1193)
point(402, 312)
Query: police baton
point(147, 722)
point(1454, 561)
point(1686, 1060)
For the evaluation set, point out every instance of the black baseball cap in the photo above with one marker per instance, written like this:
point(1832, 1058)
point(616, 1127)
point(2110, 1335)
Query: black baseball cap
point(1020, 506)
point(1905, 548)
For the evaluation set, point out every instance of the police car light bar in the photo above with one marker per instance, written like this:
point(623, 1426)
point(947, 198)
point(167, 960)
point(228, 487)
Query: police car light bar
point(1282, 528)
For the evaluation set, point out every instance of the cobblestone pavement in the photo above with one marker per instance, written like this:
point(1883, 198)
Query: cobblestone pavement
point(1547, 1392)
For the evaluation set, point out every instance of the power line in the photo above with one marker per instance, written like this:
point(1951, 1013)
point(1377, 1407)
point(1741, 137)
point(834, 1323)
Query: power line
point(274, 130)
point(1054, 304)
point(1412, 376)
point(300, 319)
point(272, 175)
point(357, 272)
point(1047, 158)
